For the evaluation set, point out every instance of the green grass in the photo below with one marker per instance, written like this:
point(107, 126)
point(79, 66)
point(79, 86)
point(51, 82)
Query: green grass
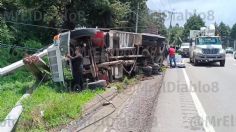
point(163, 69)
point(58, 108)
point(12, 87)
point(47, 108)
point(120, 86)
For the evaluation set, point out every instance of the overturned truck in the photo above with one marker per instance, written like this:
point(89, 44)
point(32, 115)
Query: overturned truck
point(107, 54)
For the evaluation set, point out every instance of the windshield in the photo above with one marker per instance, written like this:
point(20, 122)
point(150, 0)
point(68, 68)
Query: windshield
point(229, 48)
point(208, 41)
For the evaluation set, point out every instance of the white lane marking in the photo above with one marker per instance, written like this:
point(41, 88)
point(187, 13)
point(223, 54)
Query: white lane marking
point(201, 112)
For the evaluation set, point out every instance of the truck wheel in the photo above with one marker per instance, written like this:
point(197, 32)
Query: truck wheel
point(147, 71)
point(222, 63)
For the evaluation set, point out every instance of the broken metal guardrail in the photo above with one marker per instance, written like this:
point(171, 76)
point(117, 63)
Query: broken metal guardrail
point(8, 124)
point(19, 64)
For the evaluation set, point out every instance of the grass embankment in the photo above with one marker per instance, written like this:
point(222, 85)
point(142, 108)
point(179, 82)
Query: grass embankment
point(12, 87)
point(47, 108)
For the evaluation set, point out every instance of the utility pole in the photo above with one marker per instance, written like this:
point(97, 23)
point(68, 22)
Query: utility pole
point(170, 27)
point(136, 27)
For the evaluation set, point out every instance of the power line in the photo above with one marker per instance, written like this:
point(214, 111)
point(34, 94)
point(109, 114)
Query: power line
point(33, 25)
point(21, 47)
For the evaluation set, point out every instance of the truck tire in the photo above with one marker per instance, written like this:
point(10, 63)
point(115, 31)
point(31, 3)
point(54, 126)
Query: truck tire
point(222, 63)
point(147, 71)
point(155, 69)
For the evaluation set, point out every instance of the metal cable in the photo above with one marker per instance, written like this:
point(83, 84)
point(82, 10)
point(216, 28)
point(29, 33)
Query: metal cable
point(32, 25)
point(77, 130)
point(18, 47)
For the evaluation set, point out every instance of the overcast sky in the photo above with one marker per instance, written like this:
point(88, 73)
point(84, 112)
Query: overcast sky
point(211, 10)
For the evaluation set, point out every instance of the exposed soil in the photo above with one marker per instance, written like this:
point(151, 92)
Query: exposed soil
point(133, 111)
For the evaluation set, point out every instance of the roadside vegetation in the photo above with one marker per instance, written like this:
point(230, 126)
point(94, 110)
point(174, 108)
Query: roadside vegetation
point(48, 108)
point(12, 87)
point(122, 85)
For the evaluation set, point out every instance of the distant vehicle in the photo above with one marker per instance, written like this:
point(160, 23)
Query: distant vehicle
point(184, 49)
point(229, 50)
point(206, 47)
point(235, 55)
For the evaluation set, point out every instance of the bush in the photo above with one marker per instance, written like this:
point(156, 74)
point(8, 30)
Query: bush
point(31, 43)
point(5, 34)
point(12, 87)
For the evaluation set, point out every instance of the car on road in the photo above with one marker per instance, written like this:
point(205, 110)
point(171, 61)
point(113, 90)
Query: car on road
point(229, 50)
point(184, 49)
point(234, 54)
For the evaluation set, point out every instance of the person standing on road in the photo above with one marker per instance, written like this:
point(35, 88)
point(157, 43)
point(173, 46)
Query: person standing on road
point(172, 52)
point(77, 67)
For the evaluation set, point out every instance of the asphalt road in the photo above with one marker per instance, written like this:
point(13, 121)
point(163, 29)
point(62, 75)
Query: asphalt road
point(198, 98)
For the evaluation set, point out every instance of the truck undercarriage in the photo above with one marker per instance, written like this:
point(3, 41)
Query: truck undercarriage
point(107, 55)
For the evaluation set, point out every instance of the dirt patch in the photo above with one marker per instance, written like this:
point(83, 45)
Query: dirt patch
point(136, 116)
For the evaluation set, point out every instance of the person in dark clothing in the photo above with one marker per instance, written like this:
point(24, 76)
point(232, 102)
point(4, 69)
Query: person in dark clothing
point(77, 68)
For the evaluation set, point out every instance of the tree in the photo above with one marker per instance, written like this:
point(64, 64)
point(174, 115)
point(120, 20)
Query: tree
point(155, 23)
point(131, 16)
point(176, 34)
point(61, 15)
point(106, 13)
point(195, 22)
point(224, 30)
point(233, 32)
point(5, 34)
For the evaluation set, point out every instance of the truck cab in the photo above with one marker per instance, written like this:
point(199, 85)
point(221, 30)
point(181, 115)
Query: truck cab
point(206, 48)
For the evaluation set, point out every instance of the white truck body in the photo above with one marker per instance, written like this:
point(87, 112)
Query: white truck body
point(205, 47)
